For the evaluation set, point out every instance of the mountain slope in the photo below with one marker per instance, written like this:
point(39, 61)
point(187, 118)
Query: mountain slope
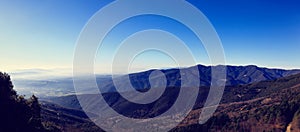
point(275, 107)
point(267, 105)
point(66, 119)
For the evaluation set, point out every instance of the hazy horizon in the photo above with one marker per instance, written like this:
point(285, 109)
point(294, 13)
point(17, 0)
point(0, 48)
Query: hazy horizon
point(65, 72)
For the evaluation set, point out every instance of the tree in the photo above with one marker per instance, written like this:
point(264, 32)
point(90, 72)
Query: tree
point(16, 112)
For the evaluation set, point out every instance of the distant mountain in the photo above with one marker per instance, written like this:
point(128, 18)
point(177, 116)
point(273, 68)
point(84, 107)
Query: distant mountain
point(267, 105)
point(236, 75)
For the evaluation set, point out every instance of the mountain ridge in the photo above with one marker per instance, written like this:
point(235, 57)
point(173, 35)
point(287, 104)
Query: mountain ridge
point(235, 75)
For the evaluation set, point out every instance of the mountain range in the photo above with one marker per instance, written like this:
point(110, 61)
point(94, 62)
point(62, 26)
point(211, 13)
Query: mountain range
point(255, 99)
point(62, 86)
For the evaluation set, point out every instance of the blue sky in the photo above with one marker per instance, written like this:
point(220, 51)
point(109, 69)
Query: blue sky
point(42, 34)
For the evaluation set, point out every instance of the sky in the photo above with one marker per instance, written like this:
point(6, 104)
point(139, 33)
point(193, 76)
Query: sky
point(42, 34)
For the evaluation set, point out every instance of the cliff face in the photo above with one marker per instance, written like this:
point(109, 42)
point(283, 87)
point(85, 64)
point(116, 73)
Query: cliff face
point(16, 112)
